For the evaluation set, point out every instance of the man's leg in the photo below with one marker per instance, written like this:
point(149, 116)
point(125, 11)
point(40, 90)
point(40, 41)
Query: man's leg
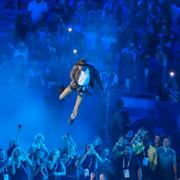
point(76, 108)
point(66, 92)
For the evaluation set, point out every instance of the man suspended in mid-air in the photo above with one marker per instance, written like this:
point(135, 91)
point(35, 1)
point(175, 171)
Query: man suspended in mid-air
point(83, 77)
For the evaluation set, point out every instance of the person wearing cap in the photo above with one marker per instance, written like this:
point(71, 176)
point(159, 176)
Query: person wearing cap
point(83, 76)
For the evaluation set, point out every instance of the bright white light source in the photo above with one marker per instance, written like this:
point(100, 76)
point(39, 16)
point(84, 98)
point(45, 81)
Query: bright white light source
point(70, 29)
point(75, 51)
point(172, 73)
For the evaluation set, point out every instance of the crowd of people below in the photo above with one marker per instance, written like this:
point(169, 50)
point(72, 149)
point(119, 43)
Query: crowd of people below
point(133, 156)
point(134, 44)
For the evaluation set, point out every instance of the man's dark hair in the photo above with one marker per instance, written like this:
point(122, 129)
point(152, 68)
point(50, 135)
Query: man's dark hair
point(167, 137)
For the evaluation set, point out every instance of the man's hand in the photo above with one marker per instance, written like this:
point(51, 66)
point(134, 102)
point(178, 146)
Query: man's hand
point(92, 176)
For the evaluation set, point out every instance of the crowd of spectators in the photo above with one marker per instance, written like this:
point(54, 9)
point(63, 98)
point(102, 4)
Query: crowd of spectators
point(133, 156)
point(133, 43)
point(137, 40)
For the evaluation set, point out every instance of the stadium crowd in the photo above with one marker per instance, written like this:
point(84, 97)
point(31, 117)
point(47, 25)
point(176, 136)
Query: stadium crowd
point(49, 36)
point(134, 156)
point(136, 41)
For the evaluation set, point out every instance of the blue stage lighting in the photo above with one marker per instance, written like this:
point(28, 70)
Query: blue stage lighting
point(171, 73)
point(75, 51)
point(69, 29)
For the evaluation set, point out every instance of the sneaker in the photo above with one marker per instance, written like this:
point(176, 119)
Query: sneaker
point(70, 121)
